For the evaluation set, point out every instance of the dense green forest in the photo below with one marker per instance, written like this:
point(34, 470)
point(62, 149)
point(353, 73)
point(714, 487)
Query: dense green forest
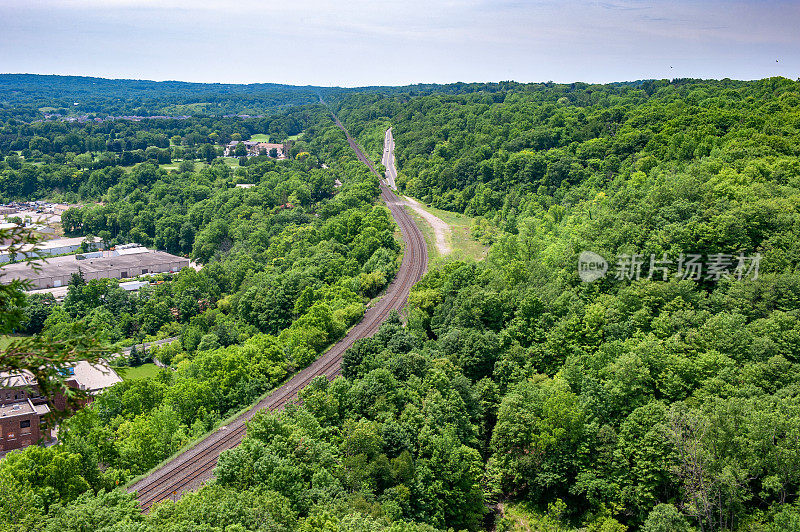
point(70, 95)
point(28, 97)
point(510, 392)
point(75, 161)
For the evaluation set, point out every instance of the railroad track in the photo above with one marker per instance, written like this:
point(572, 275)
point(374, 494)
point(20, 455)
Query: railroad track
point(189, 470)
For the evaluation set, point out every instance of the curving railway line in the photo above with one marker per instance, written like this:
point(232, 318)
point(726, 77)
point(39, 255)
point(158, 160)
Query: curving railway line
point(189, 470)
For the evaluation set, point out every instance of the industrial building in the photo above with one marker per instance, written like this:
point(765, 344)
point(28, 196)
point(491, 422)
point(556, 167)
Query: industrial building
point(125, 264)
point(48, 248)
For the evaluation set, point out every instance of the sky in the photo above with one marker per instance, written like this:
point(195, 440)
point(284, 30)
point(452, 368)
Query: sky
point(377, 42)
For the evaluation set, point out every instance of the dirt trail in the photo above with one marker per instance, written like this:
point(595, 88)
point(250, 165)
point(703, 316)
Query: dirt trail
point(440, 228)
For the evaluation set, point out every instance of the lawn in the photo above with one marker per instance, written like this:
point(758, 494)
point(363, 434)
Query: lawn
point(260, 137)
point(140, 372)
point(233, 162)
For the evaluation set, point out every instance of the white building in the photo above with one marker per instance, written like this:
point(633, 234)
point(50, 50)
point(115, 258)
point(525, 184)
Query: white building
point(49, 248)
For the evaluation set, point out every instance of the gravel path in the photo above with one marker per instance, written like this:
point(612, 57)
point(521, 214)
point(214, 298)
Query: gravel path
point(440, 228)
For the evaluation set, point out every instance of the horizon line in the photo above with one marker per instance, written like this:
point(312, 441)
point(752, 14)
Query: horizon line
point(420, 83)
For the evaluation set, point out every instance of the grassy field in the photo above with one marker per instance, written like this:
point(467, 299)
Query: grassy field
point(264, 137)
point(140, 372)
point(464, 247)
point(233, 162)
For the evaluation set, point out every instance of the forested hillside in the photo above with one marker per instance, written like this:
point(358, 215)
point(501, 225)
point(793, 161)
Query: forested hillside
point(287, 266)
point(612, 398)
point(511, 394)
point(29, 97)
point(70, 95)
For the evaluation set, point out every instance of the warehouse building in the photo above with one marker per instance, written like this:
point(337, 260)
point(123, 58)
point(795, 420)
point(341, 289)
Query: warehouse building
point(56, 246)
point(57, 271)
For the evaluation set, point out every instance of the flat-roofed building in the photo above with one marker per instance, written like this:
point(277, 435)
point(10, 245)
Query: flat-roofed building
point(93, 378)
point(17, 386)
point(48, 248)
point(21, 424)
point(90, 378)
point(57, 271)
point(21, 412)
point(22, 408)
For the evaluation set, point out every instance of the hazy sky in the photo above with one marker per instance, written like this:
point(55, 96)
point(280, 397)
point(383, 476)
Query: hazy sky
point(351, 43)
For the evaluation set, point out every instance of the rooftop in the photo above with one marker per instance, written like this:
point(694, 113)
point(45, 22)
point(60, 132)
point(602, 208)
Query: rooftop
point(270, 145)
point(60, 266)
point(48, 245)
point(91, 377)
point(130, 250)
point(16, 379)
point(17, 408)
point(95, 377)
point(132, 286)
point(59, 292)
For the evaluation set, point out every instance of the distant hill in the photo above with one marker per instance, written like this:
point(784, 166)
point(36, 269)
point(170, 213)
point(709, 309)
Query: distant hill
point(31, 95)
point(83, 95)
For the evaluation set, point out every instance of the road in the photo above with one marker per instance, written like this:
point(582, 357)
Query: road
point(189, 470)
point(388, 159)
point(440, 228)
point(127, 351)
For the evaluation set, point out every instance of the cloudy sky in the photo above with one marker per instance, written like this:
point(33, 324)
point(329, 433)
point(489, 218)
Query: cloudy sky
point(360, 42)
